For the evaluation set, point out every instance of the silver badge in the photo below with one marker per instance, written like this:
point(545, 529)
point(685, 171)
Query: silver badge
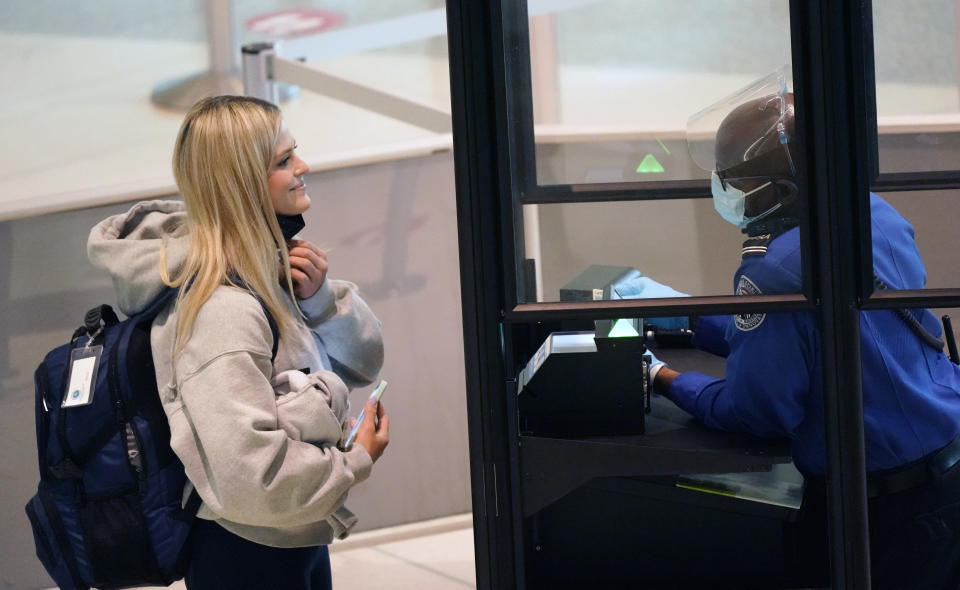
point(749, 321)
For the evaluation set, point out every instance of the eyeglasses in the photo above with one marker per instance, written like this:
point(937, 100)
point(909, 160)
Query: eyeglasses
point(746, 171)
point(743, 182)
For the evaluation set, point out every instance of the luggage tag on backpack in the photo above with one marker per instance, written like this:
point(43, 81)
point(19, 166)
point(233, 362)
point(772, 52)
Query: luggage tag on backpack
point(84, 363)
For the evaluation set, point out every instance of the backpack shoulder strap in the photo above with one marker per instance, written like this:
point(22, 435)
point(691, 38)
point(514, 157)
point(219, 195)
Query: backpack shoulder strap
point(194, 501)
point(274, 330)
point(159, 302)
point(169, 293)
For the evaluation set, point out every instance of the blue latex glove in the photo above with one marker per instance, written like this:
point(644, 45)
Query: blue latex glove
point(641, 287)
point(655, 366)
point(646, 288)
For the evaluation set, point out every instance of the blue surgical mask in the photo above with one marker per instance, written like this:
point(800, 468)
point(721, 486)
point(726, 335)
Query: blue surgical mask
point(729, 202)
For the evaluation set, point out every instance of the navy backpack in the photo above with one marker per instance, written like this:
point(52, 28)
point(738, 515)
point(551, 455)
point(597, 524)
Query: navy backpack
point(107, 512)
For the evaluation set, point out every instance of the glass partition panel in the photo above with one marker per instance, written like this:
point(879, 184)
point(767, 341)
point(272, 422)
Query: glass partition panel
point(933, 215)
point(574, 249)
point(569, 158)
point(918, 98)
point(910, 386)
point(614, 81)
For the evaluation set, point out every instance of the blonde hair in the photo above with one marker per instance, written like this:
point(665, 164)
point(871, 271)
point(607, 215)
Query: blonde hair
point(220, 162)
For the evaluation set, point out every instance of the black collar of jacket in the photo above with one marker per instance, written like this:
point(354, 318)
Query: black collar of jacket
point(773, 226)
point(761, 233)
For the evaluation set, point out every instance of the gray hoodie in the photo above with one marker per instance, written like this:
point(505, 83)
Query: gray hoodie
point(258, 441)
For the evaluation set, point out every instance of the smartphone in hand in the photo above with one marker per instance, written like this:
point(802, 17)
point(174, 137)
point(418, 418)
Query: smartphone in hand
point(356, 427)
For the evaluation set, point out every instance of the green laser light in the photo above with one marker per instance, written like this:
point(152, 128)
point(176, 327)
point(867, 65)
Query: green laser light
point(650, 165)
point(622, 328)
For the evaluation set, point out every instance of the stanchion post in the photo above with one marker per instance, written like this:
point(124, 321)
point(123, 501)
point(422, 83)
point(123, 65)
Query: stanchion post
point(258, 71)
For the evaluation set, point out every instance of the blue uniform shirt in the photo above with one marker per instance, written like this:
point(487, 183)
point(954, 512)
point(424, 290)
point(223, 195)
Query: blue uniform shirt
point(774, 383)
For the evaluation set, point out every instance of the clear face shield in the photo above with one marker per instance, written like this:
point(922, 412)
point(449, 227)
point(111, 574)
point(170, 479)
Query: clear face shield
point(739, 138)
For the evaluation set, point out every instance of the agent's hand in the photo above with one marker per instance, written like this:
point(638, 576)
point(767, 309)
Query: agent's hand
point(650, 289)
point(374, 438)
point(660, 375)
point(663, 379)
point(655, 366)
point(308, 267)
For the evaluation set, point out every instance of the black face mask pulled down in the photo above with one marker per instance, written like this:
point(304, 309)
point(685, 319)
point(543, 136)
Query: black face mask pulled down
point(290, 225)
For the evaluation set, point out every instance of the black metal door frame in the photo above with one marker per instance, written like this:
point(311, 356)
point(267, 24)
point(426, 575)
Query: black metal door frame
point(833, 70)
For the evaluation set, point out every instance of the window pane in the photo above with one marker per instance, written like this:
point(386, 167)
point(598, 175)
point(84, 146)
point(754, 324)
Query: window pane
point(911, 407)
point(682, 244)
point(918, 99)
point(615, 81)
point(933, 217)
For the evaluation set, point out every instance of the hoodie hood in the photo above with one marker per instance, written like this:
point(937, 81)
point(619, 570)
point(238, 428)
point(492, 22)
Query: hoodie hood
point(128, 247)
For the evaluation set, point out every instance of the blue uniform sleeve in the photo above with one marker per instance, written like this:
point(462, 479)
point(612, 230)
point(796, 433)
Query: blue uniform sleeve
point(768, 376)
point(896, 259)
point(710, 334)
point(771, 355)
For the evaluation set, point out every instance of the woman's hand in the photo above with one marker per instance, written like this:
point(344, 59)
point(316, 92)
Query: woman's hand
point(308, 267)
point(374, 438)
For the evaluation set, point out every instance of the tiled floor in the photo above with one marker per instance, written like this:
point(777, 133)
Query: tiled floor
point(435, 562)
point(440, 559)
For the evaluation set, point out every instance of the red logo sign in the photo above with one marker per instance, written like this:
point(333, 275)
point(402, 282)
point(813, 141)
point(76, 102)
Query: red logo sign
point(287, 24)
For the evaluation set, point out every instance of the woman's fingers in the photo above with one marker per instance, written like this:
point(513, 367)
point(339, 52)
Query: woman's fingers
point(383, 422)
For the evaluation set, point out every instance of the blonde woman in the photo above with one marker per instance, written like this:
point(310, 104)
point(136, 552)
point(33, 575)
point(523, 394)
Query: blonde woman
point(258, 439)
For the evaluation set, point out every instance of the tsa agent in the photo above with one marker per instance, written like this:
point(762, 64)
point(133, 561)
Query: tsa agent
point(773, 384)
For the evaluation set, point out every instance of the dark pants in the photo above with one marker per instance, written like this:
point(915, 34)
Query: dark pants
point(914, 536)
point(220, 559)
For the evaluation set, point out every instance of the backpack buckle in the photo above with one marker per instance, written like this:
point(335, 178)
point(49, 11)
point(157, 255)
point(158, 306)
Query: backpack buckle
point(95, 320)
point(92, 319)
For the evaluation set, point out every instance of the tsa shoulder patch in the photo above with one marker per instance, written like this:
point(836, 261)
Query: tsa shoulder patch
point(748, 321)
